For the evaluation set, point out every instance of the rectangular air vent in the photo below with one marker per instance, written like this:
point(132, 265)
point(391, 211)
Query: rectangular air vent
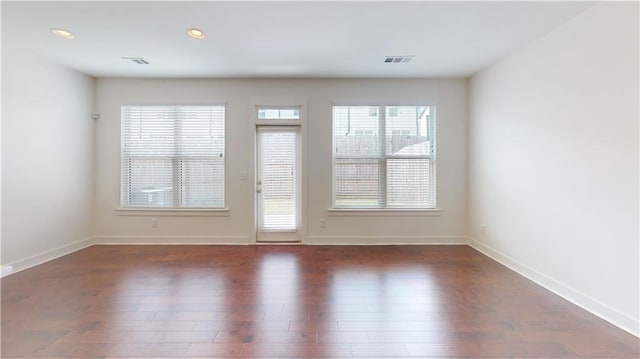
point(397, 59)
point(137, 60)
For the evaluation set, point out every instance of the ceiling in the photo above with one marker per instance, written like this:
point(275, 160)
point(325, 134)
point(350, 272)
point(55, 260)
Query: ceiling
point(280, 39)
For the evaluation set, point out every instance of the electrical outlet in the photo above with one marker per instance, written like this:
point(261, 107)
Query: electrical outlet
point(322, 223)
point(154, 222)
point(483, 230)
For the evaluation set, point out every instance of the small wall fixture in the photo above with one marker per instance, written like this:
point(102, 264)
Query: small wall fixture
point(62, 33)
point(196, 34)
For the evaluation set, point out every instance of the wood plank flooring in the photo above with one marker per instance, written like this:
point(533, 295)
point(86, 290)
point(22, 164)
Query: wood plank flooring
point(292, 302)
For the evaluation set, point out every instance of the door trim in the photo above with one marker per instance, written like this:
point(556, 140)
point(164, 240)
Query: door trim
point(279, 236)
point(299, 101)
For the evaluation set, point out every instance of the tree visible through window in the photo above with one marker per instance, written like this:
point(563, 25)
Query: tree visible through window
point(172, 156)
point(384, 156)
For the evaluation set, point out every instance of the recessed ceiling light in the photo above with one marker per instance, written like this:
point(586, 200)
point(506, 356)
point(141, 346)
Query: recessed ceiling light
point(196, 34)
point(62, 33)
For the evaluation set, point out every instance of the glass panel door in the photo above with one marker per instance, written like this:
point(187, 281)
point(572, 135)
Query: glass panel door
point(277, 184)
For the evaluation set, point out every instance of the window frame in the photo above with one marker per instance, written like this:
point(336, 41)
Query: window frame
point(382, 158)
point(177, 158)
point(280, 117)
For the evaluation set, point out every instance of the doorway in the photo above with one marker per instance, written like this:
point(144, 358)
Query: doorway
point(278, 183)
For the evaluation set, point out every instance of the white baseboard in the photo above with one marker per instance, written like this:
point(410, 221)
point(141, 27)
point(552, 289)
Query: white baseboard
point(613, 316)
point(385, 240)
point(43, 257)
point(185, 240)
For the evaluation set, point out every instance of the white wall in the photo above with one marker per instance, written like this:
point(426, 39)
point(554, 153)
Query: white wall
point(47, 158)
point(316, 97)
point(553, 157)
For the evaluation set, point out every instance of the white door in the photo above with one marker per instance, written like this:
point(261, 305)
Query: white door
point(278, 184)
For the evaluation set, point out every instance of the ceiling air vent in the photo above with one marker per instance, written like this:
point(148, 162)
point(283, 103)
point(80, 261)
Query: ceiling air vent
point(137, 60)
point(397, 59)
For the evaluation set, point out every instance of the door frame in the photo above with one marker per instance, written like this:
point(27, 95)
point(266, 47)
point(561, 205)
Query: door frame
point(267, 236)
point(301, 164)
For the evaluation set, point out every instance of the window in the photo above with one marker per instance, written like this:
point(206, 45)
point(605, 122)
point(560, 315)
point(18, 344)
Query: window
point(172, 156)
point(278, 114)
point(392, 170)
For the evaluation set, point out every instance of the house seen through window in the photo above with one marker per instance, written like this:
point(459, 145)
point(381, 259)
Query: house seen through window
point(384, 156)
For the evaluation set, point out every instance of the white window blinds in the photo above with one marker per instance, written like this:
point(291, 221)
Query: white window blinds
point(384, 157)
point(172, 156)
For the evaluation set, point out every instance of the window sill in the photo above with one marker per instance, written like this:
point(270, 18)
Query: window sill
point(383, 212)
point(173, 212)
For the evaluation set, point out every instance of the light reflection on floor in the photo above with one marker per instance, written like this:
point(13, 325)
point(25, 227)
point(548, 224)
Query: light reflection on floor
point(292, 302)
point(390, 299)
point(278, 281)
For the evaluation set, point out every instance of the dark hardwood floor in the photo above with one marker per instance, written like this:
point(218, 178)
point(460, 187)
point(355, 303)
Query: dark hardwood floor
point(292, 301)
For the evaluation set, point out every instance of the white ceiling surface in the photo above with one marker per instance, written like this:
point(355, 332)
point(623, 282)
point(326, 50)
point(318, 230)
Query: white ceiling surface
point(281, 39)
